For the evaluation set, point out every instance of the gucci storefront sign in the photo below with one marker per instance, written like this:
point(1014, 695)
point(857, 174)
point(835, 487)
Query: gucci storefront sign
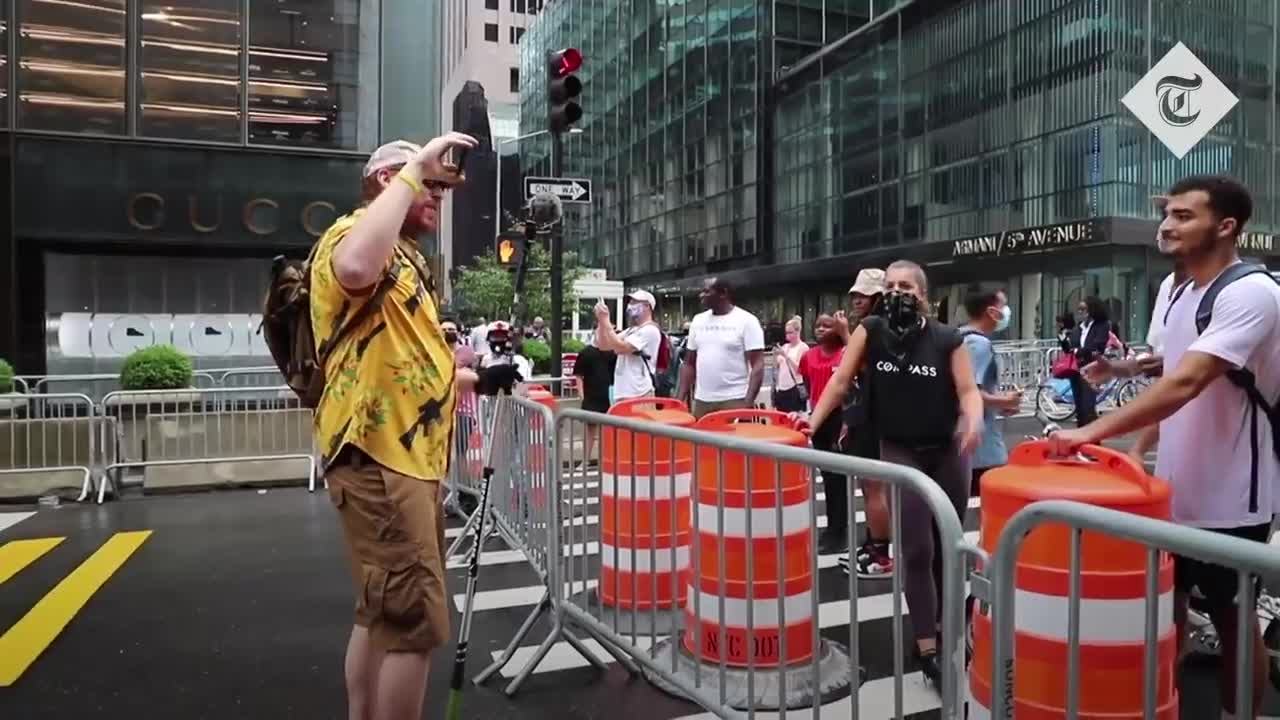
point(261, 216)
point(116, 335)
point(1027, 240)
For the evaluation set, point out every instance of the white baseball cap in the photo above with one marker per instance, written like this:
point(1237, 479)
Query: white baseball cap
point(643, 296)
point(393, 154)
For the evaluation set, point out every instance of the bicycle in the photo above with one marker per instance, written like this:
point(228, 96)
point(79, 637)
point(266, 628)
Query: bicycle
point(1054, 400)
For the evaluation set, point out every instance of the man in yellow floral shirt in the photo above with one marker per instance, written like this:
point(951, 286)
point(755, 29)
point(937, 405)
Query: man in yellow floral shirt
point(383, 425)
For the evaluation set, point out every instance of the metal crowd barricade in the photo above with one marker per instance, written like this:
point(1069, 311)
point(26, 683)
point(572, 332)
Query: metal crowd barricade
point(99, 385)
point(200, 436)
point(54, 434)
point(1246, 557)
point(648, 637)
point(267, 376)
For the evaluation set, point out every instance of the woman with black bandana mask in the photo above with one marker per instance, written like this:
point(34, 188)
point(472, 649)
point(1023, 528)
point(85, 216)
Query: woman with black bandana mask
point(929, 414)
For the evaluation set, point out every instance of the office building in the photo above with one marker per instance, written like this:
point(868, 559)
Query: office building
point(480, 65)
point(155, 157)
point(784, 145)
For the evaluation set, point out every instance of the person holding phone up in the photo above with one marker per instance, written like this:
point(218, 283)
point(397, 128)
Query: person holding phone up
point(789, 388)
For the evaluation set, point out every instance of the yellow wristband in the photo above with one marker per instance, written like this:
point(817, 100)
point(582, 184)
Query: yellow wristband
point(413, 184)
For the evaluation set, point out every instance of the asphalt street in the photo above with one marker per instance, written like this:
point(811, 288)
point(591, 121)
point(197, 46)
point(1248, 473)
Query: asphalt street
point(237, 604)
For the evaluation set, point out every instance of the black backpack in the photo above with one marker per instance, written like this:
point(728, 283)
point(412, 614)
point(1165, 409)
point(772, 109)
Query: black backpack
point(1242, 378)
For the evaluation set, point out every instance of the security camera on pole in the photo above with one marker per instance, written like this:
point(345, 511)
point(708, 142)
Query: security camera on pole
point(562, 112)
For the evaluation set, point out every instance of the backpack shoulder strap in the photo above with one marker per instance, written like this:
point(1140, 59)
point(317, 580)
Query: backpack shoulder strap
point(364, 312)
point(1173, 299)
point(1204, 311)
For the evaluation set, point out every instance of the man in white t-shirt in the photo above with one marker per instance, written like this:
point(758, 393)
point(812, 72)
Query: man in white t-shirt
point(636, 347)
point(1216, 449)
point(724, 364)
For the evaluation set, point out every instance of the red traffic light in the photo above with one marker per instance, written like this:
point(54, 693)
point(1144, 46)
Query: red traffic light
point(566, 61)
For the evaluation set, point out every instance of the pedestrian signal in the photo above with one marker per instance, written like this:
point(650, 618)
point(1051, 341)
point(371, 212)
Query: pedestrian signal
point(508, 251)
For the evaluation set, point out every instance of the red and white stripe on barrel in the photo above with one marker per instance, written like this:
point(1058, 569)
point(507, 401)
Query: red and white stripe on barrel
point(769, 502)
point(646, 483)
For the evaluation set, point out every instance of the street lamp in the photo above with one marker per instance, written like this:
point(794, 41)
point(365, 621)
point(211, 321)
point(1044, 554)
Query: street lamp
point(497, 185)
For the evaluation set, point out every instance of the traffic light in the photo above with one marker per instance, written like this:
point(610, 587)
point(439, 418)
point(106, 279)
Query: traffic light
point(562, 87)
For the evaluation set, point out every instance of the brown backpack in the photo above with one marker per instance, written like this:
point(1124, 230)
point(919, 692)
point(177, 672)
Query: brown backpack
point(286, 326)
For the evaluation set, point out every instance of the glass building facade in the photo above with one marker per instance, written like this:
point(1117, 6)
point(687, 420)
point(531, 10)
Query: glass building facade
point(269, 72)
point(154, 157)
point(982, 138)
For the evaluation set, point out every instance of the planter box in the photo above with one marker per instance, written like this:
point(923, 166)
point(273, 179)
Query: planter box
point(175, 437)
point(130, 411)
point(27, 445)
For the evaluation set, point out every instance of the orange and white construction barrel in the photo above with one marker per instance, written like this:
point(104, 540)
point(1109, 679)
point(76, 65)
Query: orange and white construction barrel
point(1112, 591)
point(646, 483)
point(751, 584)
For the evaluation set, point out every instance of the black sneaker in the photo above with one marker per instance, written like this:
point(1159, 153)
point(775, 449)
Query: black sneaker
point(929, 667)
point(872, 561)
point(831, 542)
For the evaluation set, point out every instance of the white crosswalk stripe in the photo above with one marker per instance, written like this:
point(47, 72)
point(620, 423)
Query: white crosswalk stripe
point(835, 614)
point(518, 592)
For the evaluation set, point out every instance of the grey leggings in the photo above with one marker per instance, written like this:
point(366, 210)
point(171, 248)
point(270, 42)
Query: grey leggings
point(918, 547)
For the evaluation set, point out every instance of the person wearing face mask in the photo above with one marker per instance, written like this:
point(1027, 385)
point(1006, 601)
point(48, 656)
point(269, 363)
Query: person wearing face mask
point(787, 391)
point(463, 355)
point(636, 347)
point(815, 369)
point(989, 313)
point(928, 412)
point(502, 350)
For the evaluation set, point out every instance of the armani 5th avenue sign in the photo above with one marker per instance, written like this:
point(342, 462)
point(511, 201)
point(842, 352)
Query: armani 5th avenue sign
point(1179, 100)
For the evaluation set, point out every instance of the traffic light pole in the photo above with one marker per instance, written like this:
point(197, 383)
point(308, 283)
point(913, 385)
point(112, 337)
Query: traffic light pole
point(557, 265)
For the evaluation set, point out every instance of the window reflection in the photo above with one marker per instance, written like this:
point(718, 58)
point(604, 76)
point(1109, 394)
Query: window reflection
point(307, 71)
point(72, 73)
point(190, 58)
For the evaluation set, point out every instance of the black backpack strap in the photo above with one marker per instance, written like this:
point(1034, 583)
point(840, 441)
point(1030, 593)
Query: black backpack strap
point(364, 312)
point(1173, 300)
point(1204, 312)
point(1242, 378)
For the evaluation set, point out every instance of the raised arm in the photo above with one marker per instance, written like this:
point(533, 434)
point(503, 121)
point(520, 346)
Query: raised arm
point(361, 257)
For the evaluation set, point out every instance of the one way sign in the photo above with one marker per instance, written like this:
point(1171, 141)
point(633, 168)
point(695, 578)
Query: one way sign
point(570, 190)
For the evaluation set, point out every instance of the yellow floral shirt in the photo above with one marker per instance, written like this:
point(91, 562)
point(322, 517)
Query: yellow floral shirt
point(390, 382)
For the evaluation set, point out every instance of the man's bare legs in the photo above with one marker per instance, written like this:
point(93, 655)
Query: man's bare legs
point(402, 686)
point(361, 670)
point(383, 686)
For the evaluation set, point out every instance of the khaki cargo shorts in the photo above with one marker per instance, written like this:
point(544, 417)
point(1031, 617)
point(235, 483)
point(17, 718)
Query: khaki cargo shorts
point(394, 527)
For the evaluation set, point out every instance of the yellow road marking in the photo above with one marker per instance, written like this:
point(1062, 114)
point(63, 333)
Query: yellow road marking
point(23, 643)
point(18, 554)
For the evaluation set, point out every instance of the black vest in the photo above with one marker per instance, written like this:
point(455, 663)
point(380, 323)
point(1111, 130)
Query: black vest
point(913, 393)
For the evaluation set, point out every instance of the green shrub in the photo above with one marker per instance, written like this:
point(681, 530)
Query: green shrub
point(539, 353)
point(6, 377)
point(573, 345)
point(159, 367)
